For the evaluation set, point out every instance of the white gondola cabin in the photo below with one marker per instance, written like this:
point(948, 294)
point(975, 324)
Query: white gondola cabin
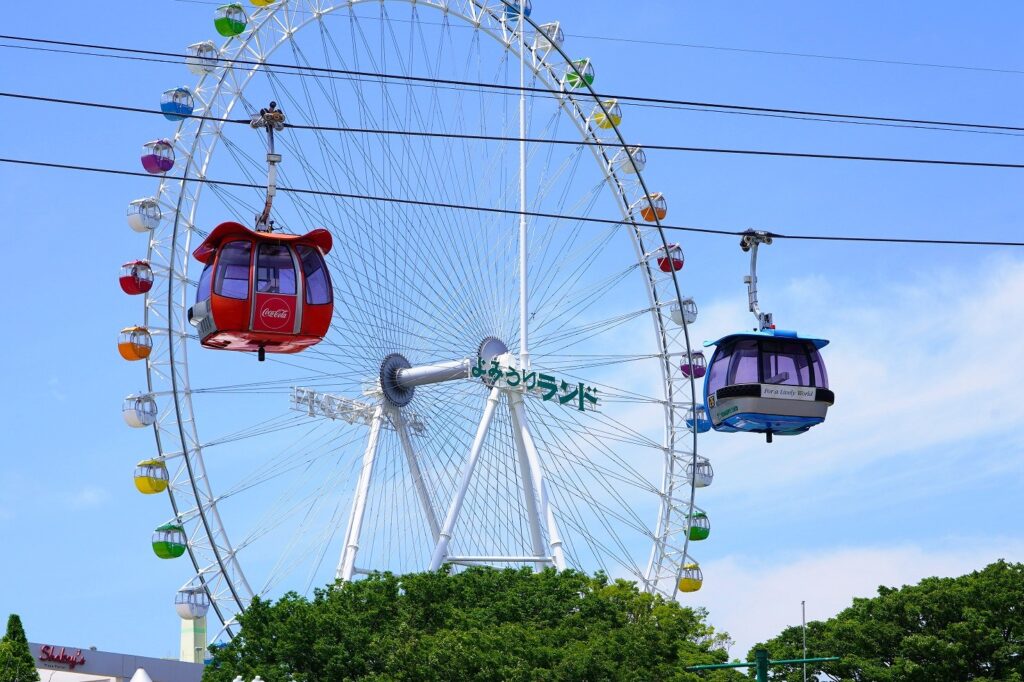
point(549, 37)
point(630, 160)
point(684, 311)
point(191, 603)
point(700, 474)
point(202, 57)
point(139, 410)
point(144, 214)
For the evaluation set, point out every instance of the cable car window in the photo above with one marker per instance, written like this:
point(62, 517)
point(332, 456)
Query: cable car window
point(275, 270)
point(743, 363)
point(818, 365)
point(719, 368)
point(232, 278)
point(785, 363)
point(205, 279)
point(318, 282)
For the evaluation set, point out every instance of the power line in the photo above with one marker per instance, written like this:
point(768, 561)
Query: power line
point(517, 88)
point(805, 55)
point(506, 211)
point(726, 48)
point(539, 140)
point(834, 121)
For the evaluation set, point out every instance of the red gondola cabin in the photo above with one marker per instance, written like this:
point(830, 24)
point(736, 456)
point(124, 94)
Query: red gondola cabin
point(262, 291)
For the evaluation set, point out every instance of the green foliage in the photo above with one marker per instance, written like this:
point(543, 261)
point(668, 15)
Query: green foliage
point(479, 624)
point(940, 630)
point(16, 663)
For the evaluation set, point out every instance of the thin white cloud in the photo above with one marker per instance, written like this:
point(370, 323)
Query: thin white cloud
point(754, 599)
point(88, 497)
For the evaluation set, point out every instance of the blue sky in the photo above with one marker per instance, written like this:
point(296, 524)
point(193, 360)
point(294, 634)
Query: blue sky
point(918, 469)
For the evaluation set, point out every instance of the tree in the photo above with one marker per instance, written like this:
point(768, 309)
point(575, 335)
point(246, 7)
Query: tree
point(16, 663)
point(969, 628)
point(476, 625)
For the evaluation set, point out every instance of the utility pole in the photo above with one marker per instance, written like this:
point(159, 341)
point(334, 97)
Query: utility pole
point(803, 620)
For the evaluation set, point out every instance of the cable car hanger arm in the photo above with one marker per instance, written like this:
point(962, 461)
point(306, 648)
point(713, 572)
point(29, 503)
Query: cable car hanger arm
point(749, 241)
point(270, 119)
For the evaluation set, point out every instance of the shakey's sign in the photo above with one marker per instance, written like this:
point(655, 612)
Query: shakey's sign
point(50, 653)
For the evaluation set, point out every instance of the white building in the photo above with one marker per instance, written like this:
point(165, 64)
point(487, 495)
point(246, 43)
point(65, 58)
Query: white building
point(62, 663)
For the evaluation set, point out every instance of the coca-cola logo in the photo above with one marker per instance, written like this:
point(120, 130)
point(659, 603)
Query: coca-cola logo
point(275, 313)
point(73, 658)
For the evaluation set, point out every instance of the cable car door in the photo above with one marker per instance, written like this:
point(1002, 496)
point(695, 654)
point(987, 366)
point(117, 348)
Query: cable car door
point(275, 301)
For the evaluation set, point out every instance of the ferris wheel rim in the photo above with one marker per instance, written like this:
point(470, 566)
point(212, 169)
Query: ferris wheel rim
point(185, 412)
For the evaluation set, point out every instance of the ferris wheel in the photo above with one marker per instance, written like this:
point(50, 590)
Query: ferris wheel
point(497, 386)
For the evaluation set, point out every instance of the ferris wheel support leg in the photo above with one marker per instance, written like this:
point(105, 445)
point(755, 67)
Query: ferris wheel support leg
point(414, 470)
point(529, 486)
point(347, 562)
point(522, 428)
point(445, 536)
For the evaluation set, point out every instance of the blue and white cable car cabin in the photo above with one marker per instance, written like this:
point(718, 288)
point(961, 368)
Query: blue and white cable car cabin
point(770, 381)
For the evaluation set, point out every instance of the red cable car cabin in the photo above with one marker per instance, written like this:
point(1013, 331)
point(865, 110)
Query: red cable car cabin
point(262, 291)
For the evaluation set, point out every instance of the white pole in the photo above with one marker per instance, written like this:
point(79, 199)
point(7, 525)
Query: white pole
point(445, 536)
point(803, 618)
point(346, 564)
point(524, 311)
point(518, 413)
point(402, 427)
point(529, 487)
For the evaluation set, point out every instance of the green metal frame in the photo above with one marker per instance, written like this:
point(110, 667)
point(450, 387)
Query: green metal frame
point(761, 662)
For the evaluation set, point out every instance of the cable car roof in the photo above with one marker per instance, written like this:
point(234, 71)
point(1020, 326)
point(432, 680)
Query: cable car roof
point(320, 238)
point(768, 333)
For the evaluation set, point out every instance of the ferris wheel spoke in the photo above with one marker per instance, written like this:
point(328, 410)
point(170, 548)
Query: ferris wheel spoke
point(472, 293)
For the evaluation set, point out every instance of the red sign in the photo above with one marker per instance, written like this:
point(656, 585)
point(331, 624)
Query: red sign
point(274, 313)
point(49, 652)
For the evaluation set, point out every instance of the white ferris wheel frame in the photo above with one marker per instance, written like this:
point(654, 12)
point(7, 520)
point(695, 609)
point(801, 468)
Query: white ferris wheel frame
point(193, 501)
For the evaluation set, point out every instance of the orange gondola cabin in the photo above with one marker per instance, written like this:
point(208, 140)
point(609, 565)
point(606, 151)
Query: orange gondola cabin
point(263, 292)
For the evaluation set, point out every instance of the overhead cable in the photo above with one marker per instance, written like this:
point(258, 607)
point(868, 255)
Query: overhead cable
point(505, 211)
point(516, 88)
point(536, 140)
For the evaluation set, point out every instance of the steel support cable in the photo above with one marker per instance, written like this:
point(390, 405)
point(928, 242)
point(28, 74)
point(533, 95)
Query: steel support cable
point(517, 88)
point(508, 211)
point(539, 140)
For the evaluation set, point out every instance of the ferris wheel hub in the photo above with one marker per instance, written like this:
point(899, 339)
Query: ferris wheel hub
point(399, 378)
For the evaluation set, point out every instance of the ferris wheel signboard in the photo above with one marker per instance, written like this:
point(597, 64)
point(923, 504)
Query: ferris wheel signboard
point(547, 386)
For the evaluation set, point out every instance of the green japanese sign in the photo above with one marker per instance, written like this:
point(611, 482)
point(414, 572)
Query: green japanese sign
point(548, 387)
